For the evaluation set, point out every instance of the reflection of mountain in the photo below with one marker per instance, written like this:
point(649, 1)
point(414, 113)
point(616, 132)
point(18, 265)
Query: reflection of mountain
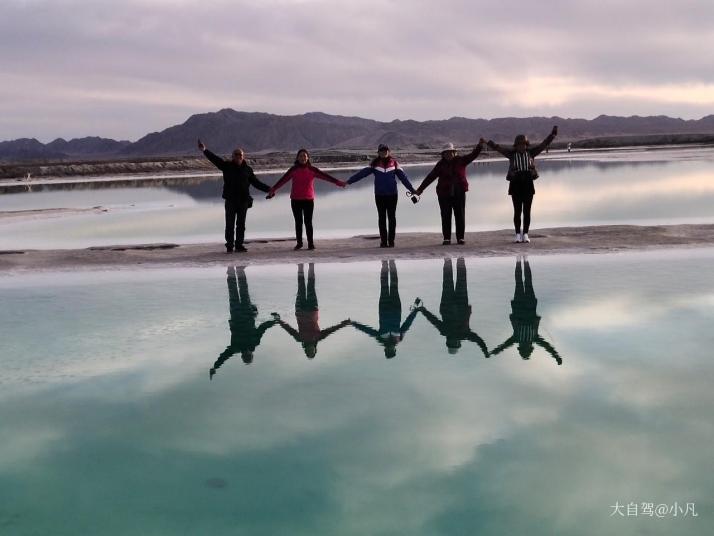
point(524, 318)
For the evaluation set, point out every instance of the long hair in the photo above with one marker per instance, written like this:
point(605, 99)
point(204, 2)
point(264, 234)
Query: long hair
point(308, 157)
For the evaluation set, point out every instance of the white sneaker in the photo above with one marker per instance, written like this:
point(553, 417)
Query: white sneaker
point(518, 238)
point(525, 237)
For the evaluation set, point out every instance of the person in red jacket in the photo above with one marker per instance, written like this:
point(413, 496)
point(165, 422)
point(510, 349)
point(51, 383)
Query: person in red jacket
point(451, 188)
point(302, 193)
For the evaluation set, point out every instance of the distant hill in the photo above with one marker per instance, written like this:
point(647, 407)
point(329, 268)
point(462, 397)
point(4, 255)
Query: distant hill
point(263, 132)
point(59, 149)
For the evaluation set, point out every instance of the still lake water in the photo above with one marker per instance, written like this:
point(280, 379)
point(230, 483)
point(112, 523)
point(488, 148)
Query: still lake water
point(520, 398)
point(587, 188)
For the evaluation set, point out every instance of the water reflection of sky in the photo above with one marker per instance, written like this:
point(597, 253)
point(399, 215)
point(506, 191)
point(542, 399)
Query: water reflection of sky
point(631, 189)
point(111, 421)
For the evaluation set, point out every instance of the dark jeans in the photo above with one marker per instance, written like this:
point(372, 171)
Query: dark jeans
point(302, 210)
point(387, 210)
point(457, 205)
point(236, 211)
point(522, 203)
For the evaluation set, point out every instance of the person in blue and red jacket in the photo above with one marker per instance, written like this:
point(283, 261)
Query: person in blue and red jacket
point(451, 188)
point(386, 171)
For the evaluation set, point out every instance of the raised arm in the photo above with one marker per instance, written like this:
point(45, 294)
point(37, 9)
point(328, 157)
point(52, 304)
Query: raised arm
point(496, 147)
point(329, 331)
point(215, 159)
point(506, 344)
point(473, 155)
point(474, 337)
point(404, 179)
point(361, 174)
point(535, 151)
point(325, 177)
point(260, 331)
point(548, 348)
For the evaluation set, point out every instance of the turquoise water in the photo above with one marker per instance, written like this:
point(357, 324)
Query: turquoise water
point(642, 187)
point(473, 396)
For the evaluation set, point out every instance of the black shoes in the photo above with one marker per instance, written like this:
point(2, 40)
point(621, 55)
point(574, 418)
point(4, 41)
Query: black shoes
point(311, 246)
point(446, 243)
point(240, 248)
point(460, 241)
point(229, 249)
point(298, 246)
point(383, 245)
point(391, 244)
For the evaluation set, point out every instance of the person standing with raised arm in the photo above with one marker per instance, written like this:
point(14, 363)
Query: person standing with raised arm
point(520, 177)
point(386, 171)
point(451, 188)
point(238, 176)
point(302, 193)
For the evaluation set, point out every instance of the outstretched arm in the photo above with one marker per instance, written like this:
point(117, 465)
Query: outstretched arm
point(265, 326)
point(535, 151)
point(329, 331)
point(548, 348)
point(473, 155)
point(366, 329)
point(438, 324)
point(496, 147)
point(326, 177)
point(408, 321)
point(257, 183)
point(474, 337)
point(404, 179)
point(361, 174)
point(431, 177)
point(506, 344)
point(291, 331)
point(281, 181)
point(215, 159)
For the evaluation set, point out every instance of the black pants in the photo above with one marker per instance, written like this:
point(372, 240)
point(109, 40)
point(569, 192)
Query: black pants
point(236, 211)
point(302, 210)
point(387, 210)
point(457, 205)
point(522, 203)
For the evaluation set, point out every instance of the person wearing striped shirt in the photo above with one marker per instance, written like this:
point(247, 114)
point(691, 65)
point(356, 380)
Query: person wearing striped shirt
point(521, 174)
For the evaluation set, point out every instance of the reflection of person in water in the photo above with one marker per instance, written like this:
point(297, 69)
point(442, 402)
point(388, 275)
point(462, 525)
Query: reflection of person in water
point(455, 309)
point(245, 336)
point(308, 332)
point(391, 331)
point(524, 319)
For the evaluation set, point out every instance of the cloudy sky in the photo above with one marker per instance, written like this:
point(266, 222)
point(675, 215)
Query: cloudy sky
point(122, 69)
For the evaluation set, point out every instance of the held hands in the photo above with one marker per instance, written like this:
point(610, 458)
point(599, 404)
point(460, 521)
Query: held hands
point(271, 194)
point(554, 132)
point(481, 142)
point(201, 146)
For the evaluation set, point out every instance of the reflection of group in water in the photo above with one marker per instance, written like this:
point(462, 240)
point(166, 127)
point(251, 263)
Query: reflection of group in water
point(453, 322)
point(451, 188)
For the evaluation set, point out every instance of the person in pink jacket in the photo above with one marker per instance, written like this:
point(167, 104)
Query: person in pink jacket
point(302, 193)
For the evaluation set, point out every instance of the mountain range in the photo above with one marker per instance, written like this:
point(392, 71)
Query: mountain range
point(257, 132)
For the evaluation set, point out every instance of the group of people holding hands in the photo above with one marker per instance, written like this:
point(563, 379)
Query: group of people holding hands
point(451, 188)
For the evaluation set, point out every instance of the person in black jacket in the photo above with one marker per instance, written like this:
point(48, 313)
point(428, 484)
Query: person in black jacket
point(524, 318)
point(237, 178)
point(245, 335)
point(520, 177)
